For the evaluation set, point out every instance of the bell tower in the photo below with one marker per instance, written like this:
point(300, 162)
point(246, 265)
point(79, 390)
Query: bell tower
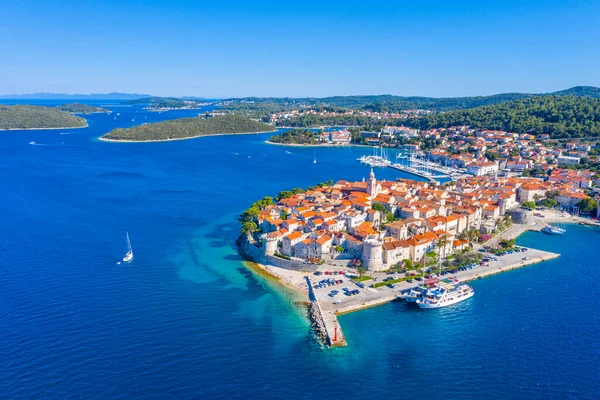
point(372, 184)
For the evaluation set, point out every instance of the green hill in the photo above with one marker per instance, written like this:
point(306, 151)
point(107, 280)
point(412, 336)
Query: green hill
point(163, 102)
point(185, 128)
point(37, 117)
point(78, 108)
point(261, 107)
point(558, 116)
point(585, 91)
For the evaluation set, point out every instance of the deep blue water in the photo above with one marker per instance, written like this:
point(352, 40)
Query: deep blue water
point(186, 320)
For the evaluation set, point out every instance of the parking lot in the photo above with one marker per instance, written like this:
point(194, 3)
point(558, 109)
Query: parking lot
point(366, 296)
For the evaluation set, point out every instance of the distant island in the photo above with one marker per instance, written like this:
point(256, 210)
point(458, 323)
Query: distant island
point(78, 108)
point(65, 96)
point(37, 117)
point(166, 103)
point(187, 128)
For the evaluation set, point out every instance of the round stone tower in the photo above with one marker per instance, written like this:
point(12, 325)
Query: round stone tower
point(372, 256)
point(269, 245)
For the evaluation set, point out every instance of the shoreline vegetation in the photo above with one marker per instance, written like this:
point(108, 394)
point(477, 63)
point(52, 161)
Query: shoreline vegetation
point(188, 128)
point(308, 137)
point(79, 108)
point(297, 136)
point(26, 117)
point(317, 145)
point(45, 129)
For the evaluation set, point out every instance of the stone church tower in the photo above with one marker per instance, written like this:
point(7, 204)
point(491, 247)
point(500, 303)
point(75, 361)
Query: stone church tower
point(372, 188)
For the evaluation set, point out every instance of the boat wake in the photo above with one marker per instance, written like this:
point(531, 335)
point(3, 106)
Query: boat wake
point(62, 144)
point(67, 133)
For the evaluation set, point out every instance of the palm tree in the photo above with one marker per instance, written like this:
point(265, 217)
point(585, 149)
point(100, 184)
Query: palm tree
point(441, 245)
point(361, 272)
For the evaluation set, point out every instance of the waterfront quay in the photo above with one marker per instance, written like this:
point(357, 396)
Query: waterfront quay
point(370, 297)
point(415, 172)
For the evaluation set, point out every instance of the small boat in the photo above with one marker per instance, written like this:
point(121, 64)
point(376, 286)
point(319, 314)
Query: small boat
point(553, 230)
point(129, 255)
point(315, 158)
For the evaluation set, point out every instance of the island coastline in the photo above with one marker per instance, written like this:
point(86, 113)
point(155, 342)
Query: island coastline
point(176, 139)
point(317, 145)
point(44, 129)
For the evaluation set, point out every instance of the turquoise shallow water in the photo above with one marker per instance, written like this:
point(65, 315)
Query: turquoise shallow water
point(186, 319)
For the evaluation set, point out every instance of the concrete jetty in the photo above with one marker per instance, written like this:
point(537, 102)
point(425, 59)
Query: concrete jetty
point(371, 297)
point(415, 172)
point(325, 322)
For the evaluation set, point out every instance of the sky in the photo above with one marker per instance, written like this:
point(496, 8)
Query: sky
point(217, 49)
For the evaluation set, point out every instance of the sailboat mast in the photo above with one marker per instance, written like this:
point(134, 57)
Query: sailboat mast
point(128, 242)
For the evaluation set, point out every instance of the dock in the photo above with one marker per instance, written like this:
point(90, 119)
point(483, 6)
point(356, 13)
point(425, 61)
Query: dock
point(370, 297)
point(413, 171)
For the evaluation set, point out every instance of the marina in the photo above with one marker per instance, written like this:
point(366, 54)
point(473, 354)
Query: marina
point(414, 164)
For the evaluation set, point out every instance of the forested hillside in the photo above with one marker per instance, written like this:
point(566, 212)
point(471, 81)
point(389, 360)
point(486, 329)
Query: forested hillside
point(558, 116)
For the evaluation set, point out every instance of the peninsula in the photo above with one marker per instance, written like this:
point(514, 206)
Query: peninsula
point(378, 237)
point(307, 137)
point(187, 128)
point(19, 117)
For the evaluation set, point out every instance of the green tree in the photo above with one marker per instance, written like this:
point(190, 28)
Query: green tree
point(361, 271)
point(387, 215)
point(550, 203)
point(507, 243)
point(408, 264)
point(249, 227)
point(587, 205)
point(530, 205)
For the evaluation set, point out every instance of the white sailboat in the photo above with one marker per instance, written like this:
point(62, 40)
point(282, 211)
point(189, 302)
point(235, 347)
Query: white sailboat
point(555, 230)
point(129, 255)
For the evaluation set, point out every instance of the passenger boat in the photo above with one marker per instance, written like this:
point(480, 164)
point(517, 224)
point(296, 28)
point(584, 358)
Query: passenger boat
point(443, 296)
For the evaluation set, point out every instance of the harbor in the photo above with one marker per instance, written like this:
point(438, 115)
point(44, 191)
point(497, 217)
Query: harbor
point(330, 307)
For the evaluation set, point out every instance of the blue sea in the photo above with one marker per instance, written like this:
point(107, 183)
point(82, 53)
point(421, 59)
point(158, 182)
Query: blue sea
point(186, 319)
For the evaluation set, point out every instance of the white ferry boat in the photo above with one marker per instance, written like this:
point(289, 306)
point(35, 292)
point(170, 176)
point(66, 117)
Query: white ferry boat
point(443, 296)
